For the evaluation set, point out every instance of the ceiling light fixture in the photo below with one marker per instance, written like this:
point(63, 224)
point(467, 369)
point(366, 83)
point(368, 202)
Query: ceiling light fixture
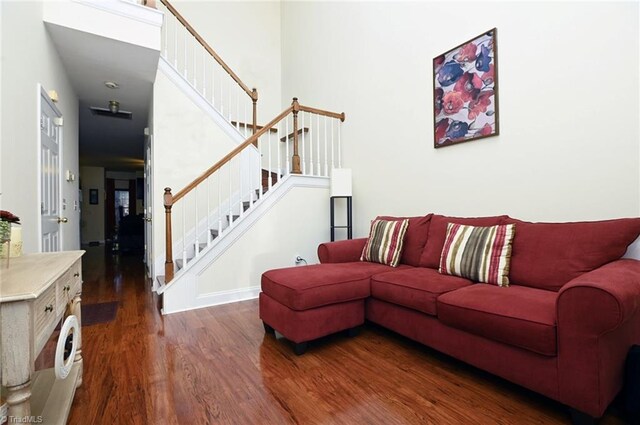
point(111, 84)
point(114, 106)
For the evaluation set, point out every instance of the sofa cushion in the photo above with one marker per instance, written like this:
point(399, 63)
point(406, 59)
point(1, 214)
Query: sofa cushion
point(438, 231)
point(548, 255)
point(517, 315)
point(414, 239)
point(385, 243)
point(481, 254)
point(416, 288)
point(301, 288)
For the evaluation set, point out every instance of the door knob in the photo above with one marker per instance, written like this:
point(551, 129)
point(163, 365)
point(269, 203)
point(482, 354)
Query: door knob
point(62, 219)
point(148, 219)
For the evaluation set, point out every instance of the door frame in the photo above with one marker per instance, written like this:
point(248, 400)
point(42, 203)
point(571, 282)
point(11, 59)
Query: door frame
point(42, 93)
point(148, 205)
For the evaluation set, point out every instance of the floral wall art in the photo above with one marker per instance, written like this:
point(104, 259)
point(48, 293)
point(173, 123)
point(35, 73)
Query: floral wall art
point(465, 91)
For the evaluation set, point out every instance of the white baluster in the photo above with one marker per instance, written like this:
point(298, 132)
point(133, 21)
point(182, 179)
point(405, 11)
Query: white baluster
point(240, 199)
point(260, 149)
point(318, 169)
point(339, 144)
point(326, 160)
point(221, 95)
point(195, 65)
point(311, 144)
point(209, 210)
point(278, 151)
point(238, 108)
point(286, 145)
point(245, 120)
point(229, 98)
point(184, 233)
point(333, 162)
point(204, 74)
point(230, 200)
point(219, 202)
point(196, 245)
point(165, 27)
point(251, 188)
point(269, 170)
point(185, 53)
point(304, 168)
point(175, 39)
point(213, 84)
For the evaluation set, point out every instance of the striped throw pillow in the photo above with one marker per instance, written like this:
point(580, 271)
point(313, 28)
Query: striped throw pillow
point(385, 242)
point(481, 254)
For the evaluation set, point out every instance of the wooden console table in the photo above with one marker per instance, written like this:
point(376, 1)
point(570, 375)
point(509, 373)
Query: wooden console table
point(35, 293)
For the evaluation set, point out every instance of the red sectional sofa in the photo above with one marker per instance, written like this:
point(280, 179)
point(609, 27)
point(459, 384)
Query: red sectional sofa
point(562, 328)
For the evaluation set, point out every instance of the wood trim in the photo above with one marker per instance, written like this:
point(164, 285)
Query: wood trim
point(340, 116)
point(290, 136)
point(168, 263)
point(248, 125)
point(253, 94)
point(231, 155)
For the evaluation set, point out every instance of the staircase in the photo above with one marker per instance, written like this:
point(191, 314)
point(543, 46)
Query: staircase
point(297, 148)
point(230, 219)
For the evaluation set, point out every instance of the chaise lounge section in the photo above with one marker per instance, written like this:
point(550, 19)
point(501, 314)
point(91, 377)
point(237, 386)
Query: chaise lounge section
point(563, 327)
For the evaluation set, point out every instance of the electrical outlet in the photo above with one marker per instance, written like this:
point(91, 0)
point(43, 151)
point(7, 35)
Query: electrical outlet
point(299, 260)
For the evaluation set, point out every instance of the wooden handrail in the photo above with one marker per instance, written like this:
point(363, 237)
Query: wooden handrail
point(252, 93)
point(170, 199)
point(231, 155)
point(340, 116)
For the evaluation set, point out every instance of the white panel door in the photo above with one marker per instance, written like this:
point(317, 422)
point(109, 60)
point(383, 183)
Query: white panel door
point(148, 206)
point(50, 164)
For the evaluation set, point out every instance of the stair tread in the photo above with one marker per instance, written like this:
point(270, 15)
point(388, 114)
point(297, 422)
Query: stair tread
point(290, 136)
point(258, 127)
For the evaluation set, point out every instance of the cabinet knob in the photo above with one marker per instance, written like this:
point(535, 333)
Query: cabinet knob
point(76, 274)
point(63, 219)
point(48, 308)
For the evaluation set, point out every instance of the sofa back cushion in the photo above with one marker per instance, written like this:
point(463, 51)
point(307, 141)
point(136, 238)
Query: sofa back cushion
point(548, 255)
point(414, 239)
point(438, 232)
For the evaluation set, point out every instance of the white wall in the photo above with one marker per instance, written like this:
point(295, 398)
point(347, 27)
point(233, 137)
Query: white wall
point(274, 241)
point(246, 34)
point(569, 105)
point(93, 219)
point(186, 142)
point(26, 63)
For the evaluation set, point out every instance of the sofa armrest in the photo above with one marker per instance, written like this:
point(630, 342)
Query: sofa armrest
point(341, 251)
point(602, 300)
point(598, 317)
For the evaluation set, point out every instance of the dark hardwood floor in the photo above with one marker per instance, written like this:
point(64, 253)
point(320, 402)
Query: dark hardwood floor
point(217, 366)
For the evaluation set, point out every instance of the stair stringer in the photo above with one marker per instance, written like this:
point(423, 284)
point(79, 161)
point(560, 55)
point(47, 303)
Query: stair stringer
point(186, 291)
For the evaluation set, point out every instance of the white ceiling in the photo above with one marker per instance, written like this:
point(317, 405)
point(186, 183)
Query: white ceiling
point(90, 60)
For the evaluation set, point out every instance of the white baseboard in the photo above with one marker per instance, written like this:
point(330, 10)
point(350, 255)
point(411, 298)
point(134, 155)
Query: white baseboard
point(217, 298)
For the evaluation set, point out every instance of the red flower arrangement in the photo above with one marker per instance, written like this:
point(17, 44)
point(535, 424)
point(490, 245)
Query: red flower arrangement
point(7, 216)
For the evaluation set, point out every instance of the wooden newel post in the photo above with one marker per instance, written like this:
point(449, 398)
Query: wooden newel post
point(254, 98)
point(295, 161)
point(168, 263)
